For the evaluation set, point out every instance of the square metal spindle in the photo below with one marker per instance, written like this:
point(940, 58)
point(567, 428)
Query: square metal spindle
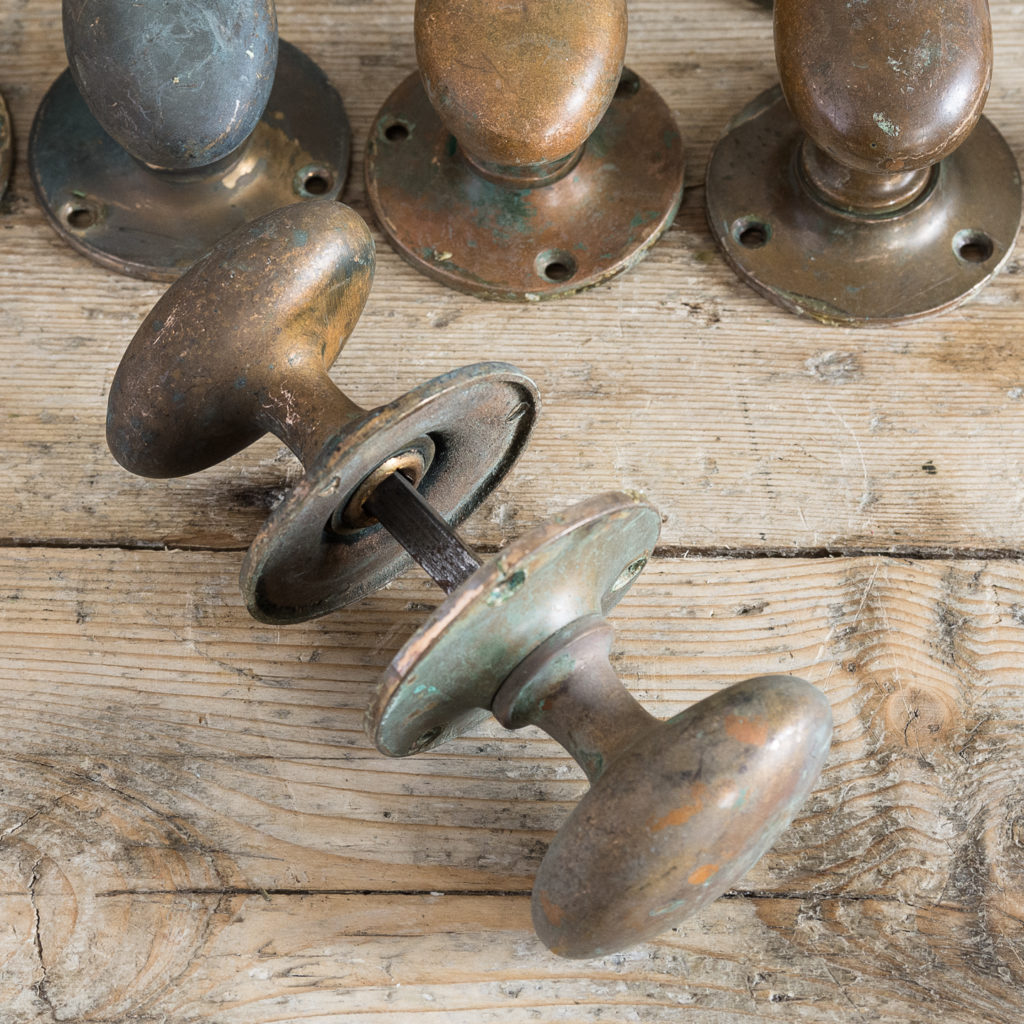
point(411, 520)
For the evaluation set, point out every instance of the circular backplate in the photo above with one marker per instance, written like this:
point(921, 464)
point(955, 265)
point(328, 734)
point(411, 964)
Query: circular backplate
point(470, 425)
point(577, 564)
point(155, 224)
point(840, 268)
point(6, 147)
point(525, 244)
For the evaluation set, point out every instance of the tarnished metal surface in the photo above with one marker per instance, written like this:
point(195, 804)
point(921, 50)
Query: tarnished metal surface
point(877, 193)
point(6, 146)
point(518, 164)
point(576, 564)
point(679, 815)
point(241, 345)
point(154, 224)
point(470, 424)
point(677, 810)
point(520, 85)
point(178, 83)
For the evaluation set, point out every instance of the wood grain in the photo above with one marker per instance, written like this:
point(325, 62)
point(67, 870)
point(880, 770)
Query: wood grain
point(751, 430)
point(193, 826)
point(178, 771)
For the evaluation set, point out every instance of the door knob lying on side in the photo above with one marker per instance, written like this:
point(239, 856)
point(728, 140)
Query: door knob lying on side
point(522, 161)
point(678, 810)
point(175, 123)
point(869, 189)
point(241, 346)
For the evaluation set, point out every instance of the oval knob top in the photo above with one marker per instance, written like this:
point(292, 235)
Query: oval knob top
point(178, 83)
point(881, 85)
point(237, 343)
point(680, 815)
point(520, 83)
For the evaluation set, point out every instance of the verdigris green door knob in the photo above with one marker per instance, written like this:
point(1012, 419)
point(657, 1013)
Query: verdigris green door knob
point(868, 188)
point(176, 122)
point(522, 161)
point(677, 811)
point(241, 345)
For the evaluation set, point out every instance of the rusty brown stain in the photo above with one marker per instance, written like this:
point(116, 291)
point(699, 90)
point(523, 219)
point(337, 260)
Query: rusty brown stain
point(680, 815)
point(552, 911)
point(747, 730)
point(702, 874)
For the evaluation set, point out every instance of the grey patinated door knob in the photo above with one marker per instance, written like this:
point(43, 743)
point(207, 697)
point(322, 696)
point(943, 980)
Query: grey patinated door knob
point(677, 810)
point(868, 188)
point(522, 161)
point(176, 122)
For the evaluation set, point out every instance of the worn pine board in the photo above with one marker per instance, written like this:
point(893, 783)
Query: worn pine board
point(193, 827)
point(186, 775)
point(751, 430)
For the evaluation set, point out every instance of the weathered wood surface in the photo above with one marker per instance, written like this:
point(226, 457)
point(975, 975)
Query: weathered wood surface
point(193, 827)
point(751, 430)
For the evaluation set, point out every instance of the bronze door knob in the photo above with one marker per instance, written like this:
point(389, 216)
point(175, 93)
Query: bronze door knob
point(868, 188)
point(522, 161)
point(677, 810)
point(241, 345)
point(174, 124)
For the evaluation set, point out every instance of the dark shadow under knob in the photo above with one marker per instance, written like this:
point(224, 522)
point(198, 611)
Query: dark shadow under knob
point(522, 161)
point(175, 123)
point(6, 147)
point(868, 188)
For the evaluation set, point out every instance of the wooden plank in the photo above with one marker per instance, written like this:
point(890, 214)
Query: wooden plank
point(439, 958)
point(751, 430)
point(174, 770)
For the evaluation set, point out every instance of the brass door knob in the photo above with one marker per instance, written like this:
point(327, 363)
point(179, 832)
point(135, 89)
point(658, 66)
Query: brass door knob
point(677, 810)
point(869, 188)
point(522, 161)
point(175, 123)
point(241, 345)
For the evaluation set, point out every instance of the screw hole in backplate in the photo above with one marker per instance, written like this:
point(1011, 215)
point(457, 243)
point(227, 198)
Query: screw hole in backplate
point(555, 266)
point(426, 739)
point(629, 85)
point(397, 131)
point(629, 574)
point(79, 215)
point(972, 246)
point(313, 181)
point(751, 233)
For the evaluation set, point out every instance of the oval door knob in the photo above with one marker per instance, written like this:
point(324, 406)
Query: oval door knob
point(241, 345)
point(178, 84)
point(523, 91)
point(884, 91)
point(868, 188)
point(175, 123)
point(678, 810)
point(522, 161)
point(229, 355)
